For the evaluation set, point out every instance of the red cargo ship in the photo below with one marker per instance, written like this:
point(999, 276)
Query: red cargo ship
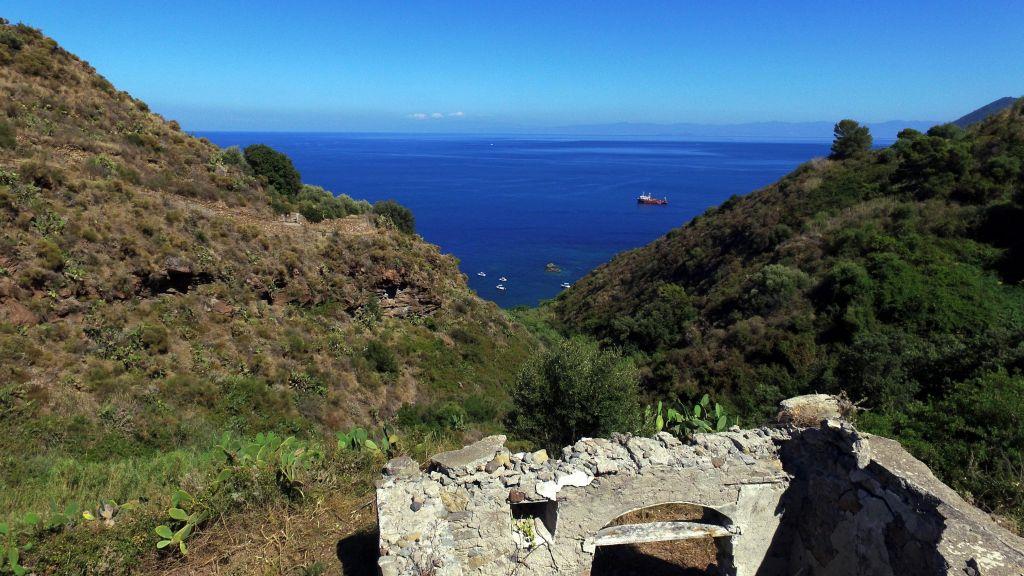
point(648, 199)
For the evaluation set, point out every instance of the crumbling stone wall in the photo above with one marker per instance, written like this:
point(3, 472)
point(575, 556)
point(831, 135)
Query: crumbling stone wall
point(822, 500)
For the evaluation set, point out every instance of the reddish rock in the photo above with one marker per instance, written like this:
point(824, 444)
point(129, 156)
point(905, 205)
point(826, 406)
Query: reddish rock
point(16, 313)
point(221, 307)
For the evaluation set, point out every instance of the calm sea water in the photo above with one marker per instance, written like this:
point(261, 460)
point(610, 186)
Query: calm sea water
point(507, 206)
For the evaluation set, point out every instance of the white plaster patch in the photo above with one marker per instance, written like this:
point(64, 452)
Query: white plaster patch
point(550, 488)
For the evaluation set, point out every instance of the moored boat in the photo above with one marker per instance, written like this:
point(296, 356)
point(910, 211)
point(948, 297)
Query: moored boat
point(646, 198)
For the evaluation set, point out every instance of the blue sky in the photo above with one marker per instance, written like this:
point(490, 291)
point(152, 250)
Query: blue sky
point(459, 65)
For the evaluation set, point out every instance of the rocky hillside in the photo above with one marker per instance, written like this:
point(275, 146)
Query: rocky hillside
point(994, 107)
point(152, 297)
point(893, 275)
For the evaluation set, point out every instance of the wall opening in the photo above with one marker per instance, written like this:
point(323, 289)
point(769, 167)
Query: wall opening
point(686, 557)
point(546, 511)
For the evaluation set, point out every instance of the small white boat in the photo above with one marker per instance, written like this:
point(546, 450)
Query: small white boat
point(566, 285)
point(503, 279)
point(481, 274)
point(500, 287)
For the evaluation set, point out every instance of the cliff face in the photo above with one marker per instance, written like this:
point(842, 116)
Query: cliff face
point(150, 297)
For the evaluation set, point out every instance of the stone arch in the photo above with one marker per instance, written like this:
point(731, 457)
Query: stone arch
point(825, 499)
point(749, 502)
point(671, 538)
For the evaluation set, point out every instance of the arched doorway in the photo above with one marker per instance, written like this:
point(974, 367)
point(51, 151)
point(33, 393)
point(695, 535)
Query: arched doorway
point(678, 539)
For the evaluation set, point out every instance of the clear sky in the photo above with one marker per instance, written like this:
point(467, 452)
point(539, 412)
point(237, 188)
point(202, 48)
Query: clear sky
point(454, 65)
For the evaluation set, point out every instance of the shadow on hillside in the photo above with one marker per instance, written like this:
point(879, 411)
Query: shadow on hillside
point(358, 553)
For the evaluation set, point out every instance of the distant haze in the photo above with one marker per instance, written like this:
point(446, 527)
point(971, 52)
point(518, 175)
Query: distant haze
point(750, 131)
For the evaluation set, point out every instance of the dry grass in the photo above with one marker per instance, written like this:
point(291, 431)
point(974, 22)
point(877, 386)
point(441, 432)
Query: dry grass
point(681, 557)
point(283, 540)
point(151, 298)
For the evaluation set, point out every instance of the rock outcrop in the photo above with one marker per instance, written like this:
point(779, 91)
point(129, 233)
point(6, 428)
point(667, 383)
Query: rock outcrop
point(819, 499)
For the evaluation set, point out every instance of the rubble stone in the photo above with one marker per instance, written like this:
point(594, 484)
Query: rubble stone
point(823, 499)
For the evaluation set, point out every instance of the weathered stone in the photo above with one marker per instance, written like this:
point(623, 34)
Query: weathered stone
point(499, 461)
point(390, 566)
point(539, 457)
point(455, 501)
point(668, 440)
point(825, 499)
point(402, 467)
point(657, 532)
point(470, 458)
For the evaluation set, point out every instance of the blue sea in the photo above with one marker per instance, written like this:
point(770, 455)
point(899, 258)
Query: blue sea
point(508, 205)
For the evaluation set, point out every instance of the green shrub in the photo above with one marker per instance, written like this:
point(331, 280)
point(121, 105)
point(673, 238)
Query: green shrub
point(35, 61)
point(231, 156)
point(380, 357)
point(775, 286)
point(481, 408)
point(317, 204)
point(438, 416)
point(154, 338)
point(7, 135)
point(106, 167)
point(661, 321)
point(11, 39)
point(274, 167)
point(572, 391)
point(391, 213)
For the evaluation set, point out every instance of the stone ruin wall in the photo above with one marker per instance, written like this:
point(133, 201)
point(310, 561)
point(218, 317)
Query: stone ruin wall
point(814, 500)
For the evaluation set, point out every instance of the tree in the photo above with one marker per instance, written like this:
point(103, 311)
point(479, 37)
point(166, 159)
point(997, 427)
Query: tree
point(276, 168)
point(662, 320)
point(398, 215)
point(851, 139)
point(575, 390)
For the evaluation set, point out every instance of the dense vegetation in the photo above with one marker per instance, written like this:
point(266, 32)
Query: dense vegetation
point(274, 168)
point(394, 214)
point(575, 390)
point(152, 297)
point(180, 354)
point(893, 275)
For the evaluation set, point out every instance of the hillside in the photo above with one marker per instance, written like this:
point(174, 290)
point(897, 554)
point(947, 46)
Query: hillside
point(155, 294)
point(985, 111)
point(893, 276)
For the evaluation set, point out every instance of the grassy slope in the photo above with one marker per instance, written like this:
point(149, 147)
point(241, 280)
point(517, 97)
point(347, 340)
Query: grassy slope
point(150, 299)
point(894, 277)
